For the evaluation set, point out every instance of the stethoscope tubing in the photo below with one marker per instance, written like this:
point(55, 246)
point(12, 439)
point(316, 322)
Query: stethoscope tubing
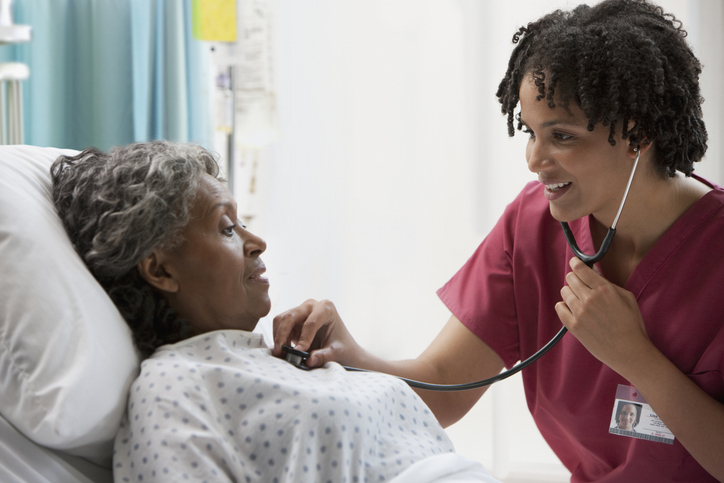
point(606, 244)
point(587, 259)
point(485, 382)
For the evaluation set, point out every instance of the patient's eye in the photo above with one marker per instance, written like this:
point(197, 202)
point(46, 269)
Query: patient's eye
point(229, 230)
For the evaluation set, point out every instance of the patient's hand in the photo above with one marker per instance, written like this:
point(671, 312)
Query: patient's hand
point(316, 327)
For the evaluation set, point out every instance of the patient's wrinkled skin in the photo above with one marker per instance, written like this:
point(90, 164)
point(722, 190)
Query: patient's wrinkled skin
point(215, 278)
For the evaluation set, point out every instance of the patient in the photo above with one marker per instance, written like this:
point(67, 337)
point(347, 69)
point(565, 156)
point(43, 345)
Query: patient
point(159, 230)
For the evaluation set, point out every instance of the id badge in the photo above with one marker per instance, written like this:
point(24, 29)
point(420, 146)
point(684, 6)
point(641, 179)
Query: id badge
point(632, 417)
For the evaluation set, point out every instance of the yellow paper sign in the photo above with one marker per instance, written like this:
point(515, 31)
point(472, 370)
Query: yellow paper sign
point(214, 20)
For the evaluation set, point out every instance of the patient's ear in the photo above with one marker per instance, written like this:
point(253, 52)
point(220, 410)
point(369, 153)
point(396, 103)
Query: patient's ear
point(154, 272)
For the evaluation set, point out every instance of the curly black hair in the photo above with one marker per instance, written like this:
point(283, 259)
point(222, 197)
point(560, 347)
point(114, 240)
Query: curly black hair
point(622, 62)
point(117, 207)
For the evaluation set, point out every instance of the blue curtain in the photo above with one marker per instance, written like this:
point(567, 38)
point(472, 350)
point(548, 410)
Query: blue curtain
point(110, 72)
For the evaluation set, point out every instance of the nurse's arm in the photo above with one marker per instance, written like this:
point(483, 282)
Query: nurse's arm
point(693, 416)
point(455, 356)
point(606, 319)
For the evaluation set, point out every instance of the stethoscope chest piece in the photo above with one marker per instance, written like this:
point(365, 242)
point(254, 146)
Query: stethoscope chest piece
point(296, 357)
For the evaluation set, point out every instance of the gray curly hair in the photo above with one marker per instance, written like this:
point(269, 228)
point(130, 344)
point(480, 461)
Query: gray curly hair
point(117, 207)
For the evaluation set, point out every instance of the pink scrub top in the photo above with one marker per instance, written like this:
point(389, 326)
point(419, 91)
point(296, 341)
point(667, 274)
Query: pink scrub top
point(506, 293)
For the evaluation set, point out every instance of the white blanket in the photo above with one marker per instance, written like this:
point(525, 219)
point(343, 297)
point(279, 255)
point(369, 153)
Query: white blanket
point(219, 407)
point(445, 468)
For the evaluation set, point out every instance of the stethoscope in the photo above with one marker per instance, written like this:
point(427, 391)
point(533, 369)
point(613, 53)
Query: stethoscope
point(299, 358)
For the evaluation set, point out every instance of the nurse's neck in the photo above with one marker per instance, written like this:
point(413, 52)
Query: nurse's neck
point(654, 204)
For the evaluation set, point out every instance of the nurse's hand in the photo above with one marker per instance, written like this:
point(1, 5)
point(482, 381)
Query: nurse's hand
point(604, 317)
point(316, 327)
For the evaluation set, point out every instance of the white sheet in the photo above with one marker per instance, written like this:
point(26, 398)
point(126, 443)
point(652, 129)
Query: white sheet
point(445, 468)
point(22, 461)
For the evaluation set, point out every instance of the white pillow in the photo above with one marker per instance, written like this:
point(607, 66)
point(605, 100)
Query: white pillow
point(66, 354)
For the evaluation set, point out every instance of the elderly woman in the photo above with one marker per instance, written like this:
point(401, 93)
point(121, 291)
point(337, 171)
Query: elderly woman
point(159, 230)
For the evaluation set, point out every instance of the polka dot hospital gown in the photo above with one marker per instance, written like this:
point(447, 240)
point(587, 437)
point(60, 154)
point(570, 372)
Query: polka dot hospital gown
point(220, 407)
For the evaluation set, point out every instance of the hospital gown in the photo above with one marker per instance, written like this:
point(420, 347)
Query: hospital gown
point(220, 407)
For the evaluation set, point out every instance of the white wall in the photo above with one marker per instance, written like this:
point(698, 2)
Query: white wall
point(393, 163)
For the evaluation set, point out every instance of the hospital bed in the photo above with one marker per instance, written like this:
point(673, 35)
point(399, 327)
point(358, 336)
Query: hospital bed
point(66, 355)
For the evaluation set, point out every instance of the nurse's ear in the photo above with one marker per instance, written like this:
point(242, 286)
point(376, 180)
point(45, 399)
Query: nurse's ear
point(644, 147)
point(153, 270)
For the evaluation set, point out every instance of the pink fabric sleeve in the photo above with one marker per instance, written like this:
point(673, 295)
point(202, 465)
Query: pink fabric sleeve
point(481, 294)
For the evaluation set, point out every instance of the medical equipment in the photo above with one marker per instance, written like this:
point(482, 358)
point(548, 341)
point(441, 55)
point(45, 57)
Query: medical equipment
point(591, 259)
point(298, 358)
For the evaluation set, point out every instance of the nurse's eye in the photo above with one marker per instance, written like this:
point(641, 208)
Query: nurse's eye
point(229, 230)
point(528, 131)
point(562, 136)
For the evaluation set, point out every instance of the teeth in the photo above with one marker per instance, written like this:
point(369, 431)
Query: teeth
point(557, 186)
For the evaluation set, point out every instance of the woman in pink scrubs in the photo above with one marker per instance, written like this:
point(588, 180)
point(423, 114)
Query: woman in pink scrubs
point(593, 88)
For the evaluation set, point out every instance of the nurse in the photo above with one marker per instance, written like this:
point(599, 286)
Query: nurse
point(592, 88)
